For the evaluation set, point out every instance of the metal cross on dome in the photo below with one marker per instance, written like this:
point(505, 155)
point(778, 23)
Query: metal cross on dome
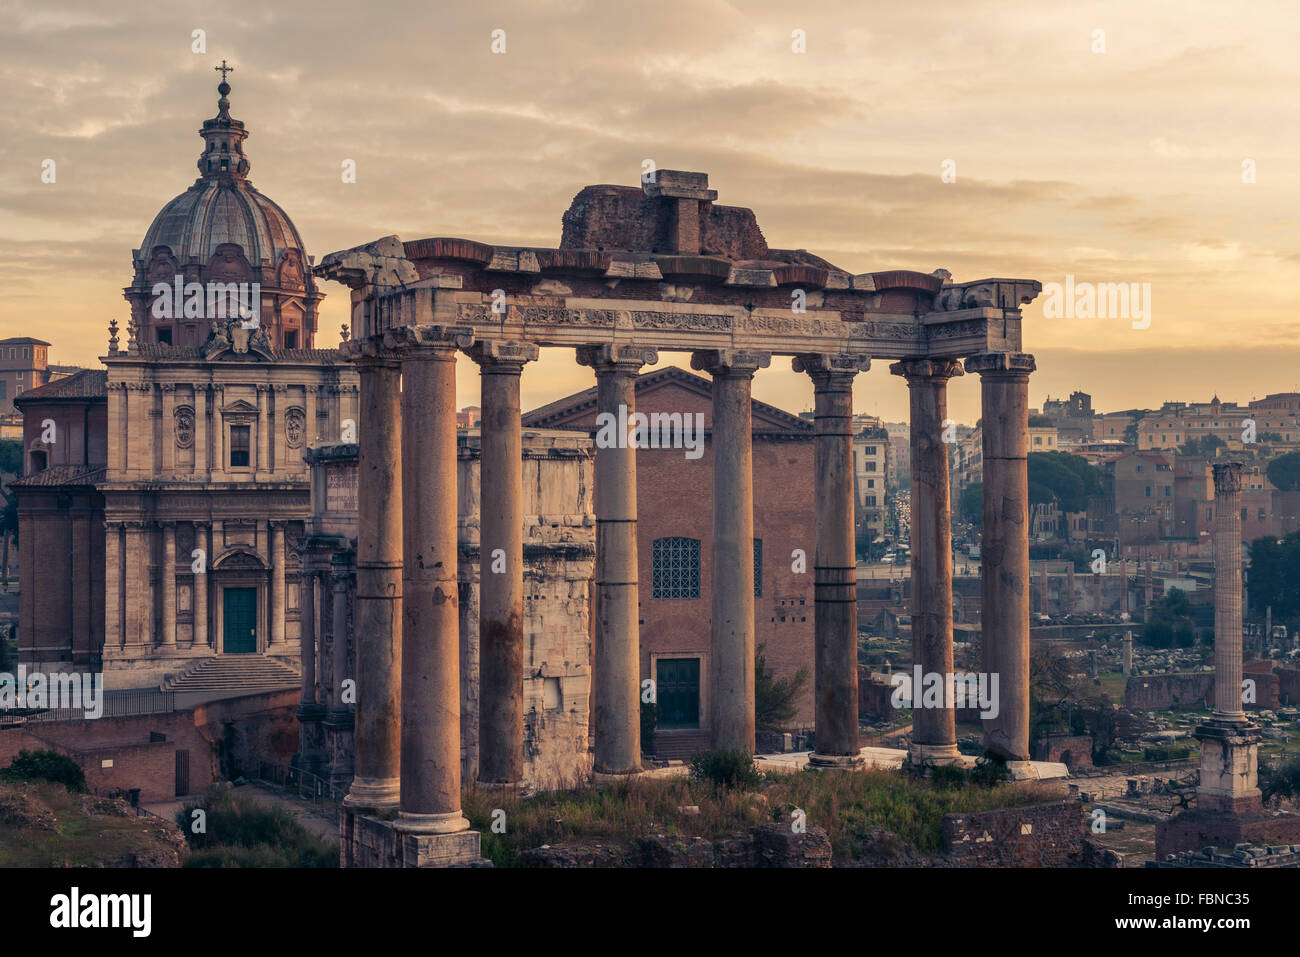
point(223, 70)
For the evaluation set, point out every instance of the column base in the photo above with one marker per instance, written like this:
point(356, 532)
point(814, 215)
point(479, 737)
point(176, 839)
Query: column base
point(499, 787)
point(836, 762)
point(605, 778)
point(932, 754)
point(451, 822)
point(380, 794)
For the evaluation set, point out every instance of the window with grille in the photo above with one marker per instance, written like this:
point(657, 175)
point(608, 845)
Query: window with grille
point(675, 568)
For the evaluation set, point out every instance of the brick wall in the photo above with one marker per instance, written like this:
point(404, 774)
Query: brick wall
point(223, 738)
point(1039, 835)
point(1157, 692)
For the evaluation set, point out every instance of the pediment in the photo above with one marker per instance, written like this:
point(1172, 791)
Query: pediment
point(239, 406)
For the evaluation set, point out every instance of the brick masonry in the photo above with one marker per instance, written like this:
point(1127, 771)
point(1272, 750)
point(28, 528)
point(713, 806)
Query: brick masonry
point(1039, 835)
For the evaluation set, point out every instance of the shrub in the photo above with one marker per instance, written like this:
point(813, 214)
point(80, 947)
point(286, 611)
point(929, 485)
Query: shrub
point(947, 777)
point(242, 833)
point(733, 768)
point(1166, 754)
point(1280, 783)
point(990, 772)
point(47, 766)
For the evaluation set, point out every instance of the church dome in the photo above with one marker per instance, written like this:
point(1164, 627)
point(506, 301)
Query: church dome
point(219, 231)
point(217, 210)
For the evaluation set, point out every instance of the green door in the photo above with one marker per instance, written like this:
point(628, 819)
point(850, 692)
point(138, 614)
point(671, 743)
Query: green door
point(677, 691)
point(240, 631)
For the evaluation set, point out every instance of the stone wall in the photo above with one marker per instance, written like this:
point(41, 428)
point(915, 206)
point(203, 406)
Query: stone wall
point(120, 753)
point(559, 562)
point(1039, 835)
point(1157, 692)
point(1074, 751)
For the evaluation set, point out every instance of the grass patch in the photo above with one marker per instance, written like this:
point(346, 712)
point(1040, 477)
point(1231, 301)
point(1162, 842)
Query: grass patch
point(42, 824)
point(239, 832)
point(851, 807)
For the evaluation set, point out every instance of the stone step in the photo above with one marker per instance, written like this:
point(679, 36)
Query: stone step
point(234, 673)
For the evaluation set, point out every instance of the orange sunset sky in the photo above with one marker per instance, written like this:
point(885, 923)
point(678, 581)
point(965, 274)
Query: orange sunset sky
point(1115, 166)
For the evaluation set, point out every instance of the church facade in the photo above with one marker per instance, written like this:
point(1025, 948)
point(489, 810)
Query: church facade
point(206, 414)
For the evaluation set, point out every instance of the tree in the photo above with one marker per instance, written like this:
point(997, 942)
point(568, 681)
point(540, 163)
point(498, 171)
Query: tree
point(11, 455)
point(1284, 471)
point(1275, 575)
point(1061, 703)
point(1063, 478)
point(1206, 446)
point(1169, 622)
point(775, 699)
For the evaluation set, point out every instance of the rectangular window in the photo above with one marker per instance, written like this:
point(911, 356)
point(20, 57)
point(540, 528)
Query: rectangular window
point(675, 568)
point(1148, 491)
point(165, 335)
point(291, 339)
point(239, 446)
point(1261, 513)
point(4, 389)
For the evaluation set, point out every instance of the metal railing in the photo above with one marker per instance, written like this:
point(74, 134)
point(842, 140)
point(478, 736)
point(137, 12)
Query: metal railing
point(296, 781)
point(116, 704)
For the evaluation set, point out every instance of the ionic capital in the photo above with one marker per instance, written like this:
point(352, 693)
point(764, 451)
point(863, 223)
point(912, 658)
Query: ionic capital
point(503, 357)
point(830, 369)
point(1019, 364)
point(1227, 478)
point(428, 342)
point(922, 369)
point(730, 362)
point(617, 357)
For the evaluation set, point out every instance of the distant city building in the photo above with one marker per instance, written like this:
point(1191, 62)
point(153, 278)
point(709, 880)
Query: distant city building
point(24, 366)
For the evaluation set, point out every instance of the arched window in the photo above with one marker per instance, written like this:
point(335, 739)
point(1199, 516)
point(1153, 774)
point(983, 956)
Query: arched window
point(675, 567)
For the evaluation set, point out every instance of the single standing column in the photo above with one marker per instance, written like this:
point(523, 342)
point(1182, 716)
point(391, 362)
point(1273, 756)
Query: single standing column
point(934, 732)
point(340, 712)
point(501, 562)
point(1227, 594)
point(1229, 771)
point(731, 653)
point(277, 585)
point(430, 767)
point(202, 535)
point(835, 568)
point(1004, 552)
point(167, 583)
point(616, 696)
point(378, 622)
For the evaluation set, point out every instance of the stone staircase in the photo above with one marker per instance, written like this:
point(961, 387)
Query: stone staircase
point(237, 674)
point(679, 745)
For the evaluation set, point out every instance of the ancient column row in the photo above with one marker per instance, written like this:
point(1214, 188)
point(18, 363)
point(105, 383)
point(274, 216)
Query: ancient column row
point(408, 728)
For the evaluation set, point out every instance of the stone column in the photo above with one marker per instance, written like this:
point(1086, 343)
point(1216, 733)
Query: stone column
point(1004, 553)
point(112, 587)
point(378, 622)
point(262, 469)
point(307, 635)
point(616, 712)
point(203, 541)
point(1227, 594)
point(731, 648)
point(167, 582)
point(934, 734)
point(1229, 743)
point(310, 713)
point(339, 710)
point(835, 568)
point(430, 694)
point(277, 587)
point(501, 563)
point(201, 431)
point(168, 428)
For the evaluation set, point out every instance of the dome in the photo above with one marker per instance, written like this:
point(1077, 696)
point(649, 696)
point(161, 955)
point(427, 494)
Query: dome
point(215, 211)
point(222, 231)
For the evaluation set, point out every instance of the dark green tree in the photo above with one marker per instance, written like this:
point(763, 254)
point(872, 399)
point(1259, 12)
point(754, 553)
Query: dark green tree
point(776, 700)
point(1284, 471)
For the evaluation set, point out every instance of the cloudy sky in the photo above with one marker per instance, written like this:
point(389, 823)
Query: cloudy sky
point(1117, 166)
